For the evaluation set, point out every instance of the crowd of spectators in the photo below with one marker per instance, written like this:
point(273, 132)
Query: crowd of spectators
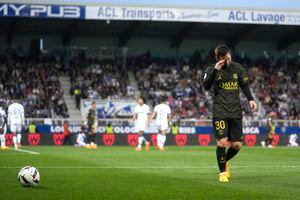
point(34, 83)
point(99, 79)
point(276, 88)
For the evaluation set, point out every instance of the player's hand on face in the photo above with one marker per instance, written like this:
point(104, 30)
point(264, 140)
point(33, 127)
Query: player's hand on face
point(220, 64)
point(253, 105)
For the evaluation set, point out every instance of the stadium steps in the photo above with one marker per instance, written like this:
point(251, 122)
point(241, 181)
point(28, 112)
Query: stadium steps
point(134, 84)
point(74, 113)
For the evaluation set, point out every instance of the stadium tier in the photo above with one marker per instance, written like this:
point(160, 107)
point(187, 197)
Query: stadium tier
point(36, 84)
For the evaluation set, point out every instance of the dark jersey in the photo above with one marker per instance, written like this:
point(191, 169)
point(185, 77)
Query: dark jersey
point(91, 117)
point(226, 83)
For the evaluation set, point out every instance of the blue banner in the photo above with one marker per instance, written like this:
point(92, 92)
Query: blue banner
point(182, 130)
point(41, 11)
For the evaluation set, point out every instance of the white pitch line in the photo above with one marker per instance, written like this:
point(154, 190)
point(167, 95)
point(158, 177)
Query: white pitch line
point(26, 151)
point(154, 167)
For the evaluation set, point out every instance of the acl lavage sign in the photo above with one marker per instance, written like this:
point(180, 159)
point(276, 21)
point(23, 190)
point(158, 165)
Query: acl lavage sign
point(149, 14)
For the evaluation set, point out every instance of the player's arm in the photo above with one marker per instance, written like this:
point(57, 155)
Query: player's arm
point(210, 74)
point(244, 84)
point(23, 117)
point(169, 119)
point(8, 117)
point(134, 117)
point(151, 116)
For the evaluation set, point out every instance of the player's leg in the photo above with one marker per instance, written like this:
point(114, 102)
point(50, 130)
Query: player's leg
point(235, 137)
point(271, 136)
point(3, 145)
point(221, 131)
point(88, 138)
point(163, 131)
point(93, 136)
point(140, 141)
point(141, 129)
point(159, 144)
point(163, 140)
point(19, 135)
point(13, 129)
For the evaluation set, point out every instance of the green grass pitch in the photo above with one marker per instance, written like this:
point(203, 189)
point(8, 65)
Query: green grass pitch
point(178, 173)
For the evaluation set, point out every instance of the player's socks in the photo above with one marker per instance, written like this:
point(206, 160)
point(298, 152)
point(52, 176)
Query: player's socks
point(140, 141)
point(88, 139)
point(19, 138)
point(221, 158)
point(227, 170)
point(163, 140)
point(159, 144)
point(2, 137)
point(147, 146)
point(231, 152)
point(15, 140)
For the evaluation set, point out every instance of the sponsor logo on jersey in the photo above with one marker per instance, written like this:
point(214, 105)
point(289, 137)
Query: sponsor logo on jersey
point(230, 85)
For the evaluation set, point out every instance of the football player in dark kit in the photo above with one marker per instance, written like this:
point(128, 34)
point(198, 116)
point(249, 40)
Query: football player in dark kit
point(226, 77)
point(91, 122)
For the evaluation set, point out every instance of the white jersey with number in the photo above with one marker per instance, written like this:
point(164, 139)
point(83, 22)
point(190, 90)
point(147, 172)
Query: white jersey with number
point(16, 114)
point(142, 117)
point(162, 111)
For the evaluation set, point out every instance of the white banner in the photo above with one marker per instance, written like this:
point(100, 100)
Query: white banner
point(191, 15)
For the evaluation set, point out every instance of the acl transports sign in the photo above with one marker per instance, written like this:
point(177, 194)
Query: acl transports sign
point(150, 14)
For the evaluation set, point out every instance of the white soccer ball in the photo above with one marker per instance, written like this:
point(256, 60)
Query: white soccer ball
point(29, 176)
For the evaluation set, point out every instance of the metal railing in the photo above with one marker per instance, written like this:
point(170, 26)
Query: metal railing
point(130, 122)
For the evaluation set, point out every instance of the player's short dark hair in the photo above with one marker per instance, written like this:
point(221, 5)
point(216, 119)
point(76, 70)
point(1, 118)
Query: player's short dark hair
point(94, 102)
point(164, 98)
point(221, 50)
point(144, 100)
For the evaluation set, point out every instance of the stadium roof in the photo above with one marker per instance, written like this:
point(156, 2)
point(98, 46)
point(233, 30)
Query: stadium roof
point(175, 32)
point(272, 5)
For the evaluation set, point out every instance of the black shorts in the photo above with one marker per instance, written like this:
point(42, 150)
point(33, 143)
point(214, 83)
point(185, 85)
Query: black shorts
point(232, 128)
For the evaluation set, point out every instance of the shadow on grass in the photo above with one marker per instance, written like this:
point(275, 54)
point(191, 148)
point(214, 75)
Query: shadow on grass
point(37, 188)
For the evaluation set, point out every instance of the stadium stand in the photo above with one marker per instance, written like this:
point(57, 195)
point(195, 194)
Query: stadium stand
point(276, 88)
point(103, 79)
point(34, 83)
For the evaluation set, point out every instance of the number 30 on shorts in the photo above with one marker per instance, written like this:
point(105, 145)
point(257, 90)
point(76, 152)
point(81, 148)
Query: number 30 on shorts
point(220, 125)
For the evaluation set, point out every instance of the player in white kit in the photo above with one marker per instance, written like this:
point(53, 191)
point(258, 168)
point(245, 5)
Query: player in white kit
point(293, 140)
point(163, 121)
point(15, 121)
point(80, 140)
point(140, 117)
point(3, 128)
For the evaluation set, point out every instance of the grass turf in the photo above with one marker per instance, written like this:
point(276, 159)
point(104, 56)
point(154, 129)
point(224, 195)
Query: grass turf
point(178, 173)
